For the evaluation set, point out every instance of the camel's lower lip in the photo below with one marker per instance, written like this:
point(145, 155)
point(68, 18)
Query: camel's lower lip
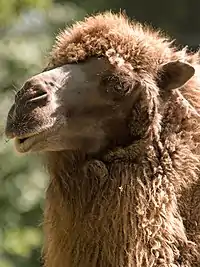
point(25, 144)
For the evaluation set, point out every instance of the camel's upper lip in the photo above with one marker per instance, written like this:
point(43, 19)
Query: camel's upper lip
point(24, 143)
point(12, 135)
point(25, 136)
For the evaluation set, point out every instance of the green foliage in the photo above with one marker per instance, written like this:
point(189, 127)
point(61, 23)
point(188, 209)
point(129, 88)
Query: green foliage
point(27, 29)
point(11, 10)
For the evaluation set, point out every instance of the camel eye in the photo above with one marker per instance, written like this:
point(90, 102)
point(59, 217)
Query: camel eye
point(121, 88)
point(124, 87)
point(114, 87)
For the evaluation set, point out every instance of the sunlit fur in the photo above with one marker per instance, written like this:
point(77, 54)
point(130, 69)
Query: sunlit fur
point(139, 205)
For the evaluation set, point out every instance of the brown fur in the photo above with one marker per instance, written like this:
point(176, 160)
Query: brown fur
point(137, 205)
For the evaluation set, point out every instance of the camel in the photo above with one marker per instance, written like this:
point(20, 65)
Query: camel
point(115, 114)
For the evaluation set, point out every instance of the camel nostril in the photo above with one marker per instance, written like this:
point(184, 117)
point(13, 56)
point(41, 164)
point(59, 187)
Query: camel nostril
point(39, 94)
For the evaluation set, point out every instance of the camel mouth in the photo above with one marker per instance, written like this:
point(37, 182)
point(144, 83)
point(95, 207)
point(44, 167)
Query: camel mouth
point(26, 143)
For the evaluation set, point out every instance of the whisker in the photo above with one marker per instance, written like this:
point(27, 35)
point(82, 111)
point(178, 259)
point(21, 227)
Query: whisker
point(10, 116)
point(15, 89)
point(2, 133)
point(3, 136)
point(14, 92)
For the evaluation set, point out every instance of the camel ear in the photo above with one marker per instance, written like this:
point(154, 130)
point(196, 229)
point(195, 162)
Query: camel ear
point(175, 74)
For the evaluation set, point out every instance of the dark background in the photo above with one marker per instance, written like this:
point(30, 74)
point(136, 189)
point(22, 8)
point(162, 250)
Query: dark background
point(27, 30)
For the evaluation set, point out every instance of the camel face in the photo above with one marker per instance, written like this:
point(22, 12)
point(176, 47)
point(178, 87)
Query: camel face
point(83, 106)
point(73, 106)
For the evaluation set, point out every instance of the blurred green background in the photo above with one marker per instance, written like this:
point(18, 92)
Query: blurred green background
point(27, 31)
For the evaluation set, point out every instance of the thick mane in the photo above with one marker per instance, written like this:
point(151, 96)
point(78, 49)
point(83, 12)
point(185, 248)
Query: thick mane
point(135, 196)
point(108, 33)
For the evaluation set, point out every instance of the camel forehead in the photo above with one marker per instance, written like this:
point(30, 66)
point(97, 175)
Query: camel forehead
point(97, 35)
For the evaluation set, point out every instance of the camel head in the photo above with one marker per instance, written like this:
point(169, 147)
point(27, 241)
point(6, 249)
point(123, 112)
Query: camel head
point(88, 104)
point(69, 107)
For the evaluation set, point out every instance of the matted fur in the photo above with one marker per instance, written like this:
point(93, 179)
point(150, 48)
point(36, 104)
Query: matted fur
point(136, 206)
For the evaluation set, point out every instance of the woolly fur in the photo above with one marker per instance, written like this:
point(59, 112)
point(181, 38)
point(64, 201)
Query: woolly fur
point(136, 206)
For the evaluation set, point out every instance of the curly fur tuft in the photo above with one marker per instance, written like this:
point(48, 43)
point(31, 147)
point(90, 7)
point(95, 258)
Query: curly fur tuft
point(138, 205)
